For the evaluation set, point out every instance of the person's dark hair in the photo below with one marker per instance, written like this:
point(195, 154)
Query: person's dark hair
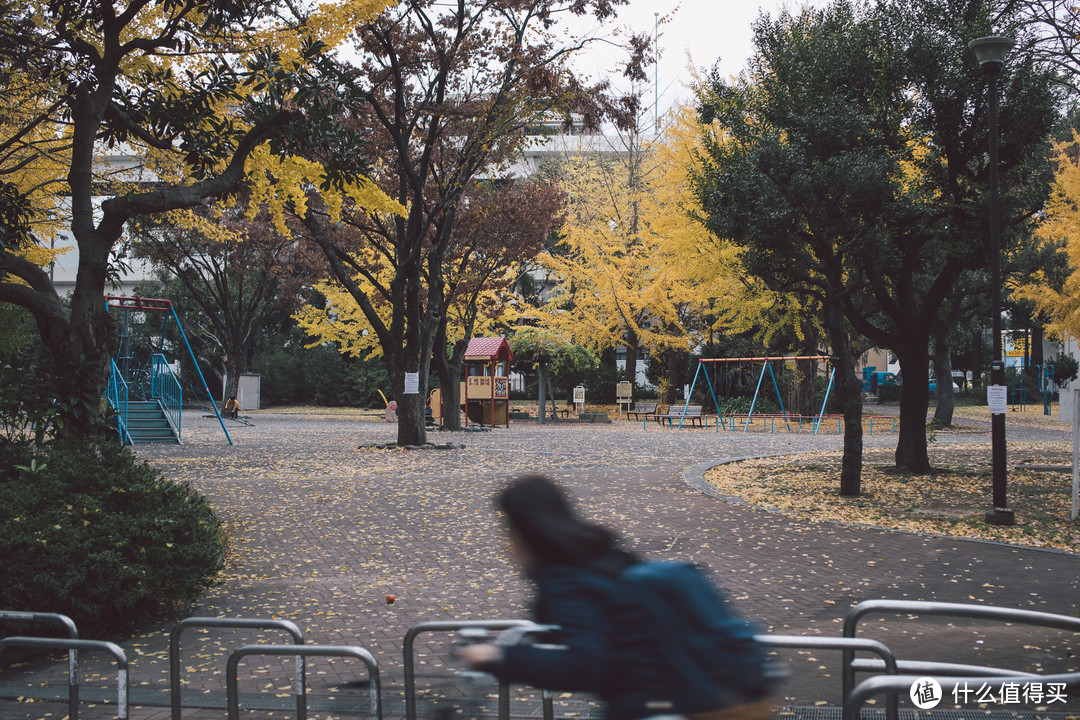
point(540, 513)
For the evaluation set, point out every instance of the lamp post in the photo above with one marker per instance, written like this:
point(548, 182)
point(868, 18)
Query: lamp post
point(990, 52)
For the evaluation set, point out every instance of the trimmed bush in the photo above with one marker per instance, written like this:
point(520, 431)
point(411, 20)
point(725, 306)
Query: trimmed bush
point(27, 412)
point(888, 394)
point(741, 406)
point(88, 530)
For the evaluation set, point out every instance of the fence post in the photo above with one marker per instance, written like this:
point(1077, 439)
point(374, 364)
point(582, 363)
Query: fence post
point(233, 623)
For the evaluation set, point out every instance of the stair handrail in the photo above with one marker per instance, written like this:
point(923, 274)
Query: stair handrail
point(117, 394)
point(165, 388)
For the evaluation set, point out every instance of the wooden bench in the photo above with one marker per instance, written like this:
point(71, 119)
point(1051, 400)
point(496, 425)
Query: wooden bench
point(682, 413)
point(642, 409)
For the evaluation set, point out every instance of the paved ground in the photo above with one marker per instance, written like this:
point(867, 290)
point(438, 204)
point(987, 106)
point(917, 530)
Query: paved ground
point(323, 532)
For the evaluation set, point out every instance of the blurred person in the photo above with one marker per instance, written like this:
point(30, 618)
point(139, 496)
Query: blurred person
point(631, 653)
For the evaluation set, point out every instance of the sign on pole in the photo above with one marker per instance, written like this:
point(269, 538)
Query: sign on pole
point(996, 399)
point(579, 397)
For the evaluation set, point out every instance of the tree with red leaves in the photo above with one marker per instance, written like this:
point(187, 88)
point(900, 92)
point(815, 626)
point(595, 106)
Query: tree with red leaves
point(452, 89)
point(239, 272)
point(499, 230)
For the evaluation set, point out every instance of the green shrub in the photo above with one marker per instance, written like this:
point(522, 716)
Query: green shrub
point(319, 376)
point(27, 412)
point(1066, 368)
point(601, 382)
point(88, 530)
point(741, 406)
point(888, 394)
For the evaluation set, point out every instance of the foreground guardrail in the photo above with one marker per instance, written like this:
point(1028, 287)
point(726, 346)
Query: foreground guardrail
point(229, 623)
point(940, 609)
point(69, 644)
point(300, 652)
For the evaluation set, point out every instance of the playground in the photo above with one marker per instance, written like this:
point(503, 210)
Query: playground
point(357, 546)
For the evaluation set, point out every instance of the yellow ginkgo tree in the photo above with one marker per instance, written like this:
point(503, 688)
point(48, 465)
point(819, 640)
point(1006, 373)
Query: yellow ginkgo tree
point(616, 282)
point(206, 82)
point(1058, 298)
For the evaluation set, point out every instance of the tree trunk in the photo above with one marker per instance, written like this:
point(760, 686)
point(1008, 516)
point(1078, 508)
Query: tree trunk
point(911, 454)
point(412, 428)
point(1037, 355)
point(541, 391)
point(234, 365)
point(946, 399)
point(850, 393)
point(976, 358)
point(81, 362)
point(450, 371)
point(82, 348)
point(544, 393)
point(450, 383)
point(1028, 367)
point(673, 366)
point(630, 374)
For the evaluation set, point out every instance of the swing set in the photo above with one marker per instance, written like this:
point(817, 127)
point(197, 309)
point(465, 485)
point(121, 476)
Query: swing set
point(766, 367)
point(143, 390)
point(728, 420)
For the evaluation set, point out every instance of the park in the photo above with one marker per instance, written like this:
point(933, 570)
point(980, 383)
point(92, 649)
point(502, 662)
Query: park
point(290, 289)
point(356, 546)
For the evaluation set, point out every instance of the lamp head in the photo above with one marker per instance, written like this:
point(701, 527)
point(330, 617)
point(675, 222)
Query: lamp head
point(991, 51)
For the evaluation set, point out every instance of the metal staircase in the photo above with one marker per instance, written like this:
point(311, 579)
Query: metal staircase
point(155, 419)
point(148, 423)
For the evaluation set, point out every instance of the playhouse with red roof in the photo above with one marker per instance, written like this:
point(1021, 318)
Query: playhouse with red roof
point(485, 391)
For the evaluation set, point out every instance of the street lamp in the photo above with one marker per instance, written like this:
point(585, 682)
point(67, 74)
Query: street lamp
point(990, 52)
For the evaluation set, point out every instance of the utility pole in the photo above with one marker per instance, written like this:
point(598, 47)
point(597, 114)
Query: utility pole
point(656, 73)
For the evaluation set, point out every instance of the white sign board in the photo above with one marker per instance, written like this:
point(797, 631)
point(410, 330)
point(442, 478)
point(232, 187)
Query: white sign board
point(412, 383)
point(996, 399)
point(579, 395)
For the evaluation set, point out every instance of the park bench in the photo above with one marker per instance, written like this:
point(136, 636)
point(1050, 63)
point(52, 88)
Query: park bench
point(685, 414)
point(642, 409)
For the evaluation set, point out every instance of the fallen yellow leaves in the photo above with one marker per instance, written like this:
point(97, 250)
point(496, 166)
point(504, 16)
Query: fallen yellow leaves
point(951, 501)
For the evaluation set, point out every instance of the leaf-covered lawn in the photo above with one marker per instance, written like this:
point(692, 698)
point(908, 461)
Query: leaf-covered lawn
point(950, 501)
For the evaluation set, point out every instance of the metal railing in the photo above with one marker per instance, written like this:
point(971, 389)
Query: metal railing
point(301, 652)
point(70, 644)
point(851, 645)
point(941, 609)
point(853, 696)
point(454, 626)
point(73, 654)
point(231, 623)
point(165, 388)
point(117, 394)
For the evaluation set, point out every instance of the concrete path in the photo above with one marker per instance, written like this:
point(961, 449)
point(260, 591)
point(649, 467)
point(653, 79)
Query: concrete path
point(323, 532)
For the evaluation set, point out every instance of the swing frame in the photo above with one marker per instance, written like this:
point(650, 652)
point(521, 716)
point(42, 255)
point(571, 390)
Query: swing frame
point(141, 304)
point(766, 362)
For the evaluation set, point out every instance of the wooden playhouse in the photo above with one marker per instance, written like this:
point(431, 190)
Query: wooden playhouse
point(485, 392)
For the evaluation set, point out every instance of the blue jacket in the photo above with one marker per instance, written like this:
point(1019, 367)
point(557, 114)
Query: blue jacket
point(604, 644)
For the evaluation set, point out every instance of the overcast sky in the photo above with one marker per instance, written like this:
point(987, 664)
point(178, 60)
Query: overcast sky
point(698, 33)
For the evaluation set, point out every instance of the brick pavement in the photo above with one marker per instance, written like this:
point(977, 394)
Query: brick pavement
point(323, 532)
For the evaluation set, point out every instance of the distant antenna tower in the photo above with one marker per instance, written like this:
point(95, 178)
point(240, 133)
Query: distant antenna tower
point(656, 72)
